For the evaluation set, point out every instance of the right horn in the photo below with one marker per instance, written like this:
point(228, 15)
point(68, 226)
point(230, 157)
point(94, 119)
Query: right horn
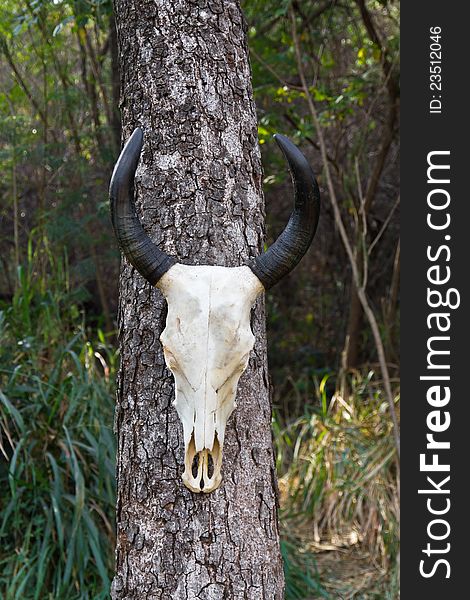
point(138, 248)
point(280, 258)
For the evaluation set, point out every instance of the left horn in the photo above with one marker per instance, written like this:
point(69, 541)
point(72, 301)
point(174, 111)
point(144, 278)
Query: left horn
point(139, 249)
point(280, 258)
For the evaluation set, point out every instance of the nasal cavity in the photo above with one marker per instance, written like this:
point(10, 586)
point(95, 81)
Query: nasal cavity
point(203, 464)
point(195, 465)
point(210, 465)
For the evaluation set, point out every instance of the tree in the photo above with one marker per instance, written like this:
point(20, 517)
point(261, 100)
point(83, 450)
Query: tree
point(185, 80)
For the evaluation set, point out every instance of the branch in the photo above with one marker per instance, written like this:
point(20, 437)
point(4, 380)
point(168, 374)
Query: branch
point(311, 141)
point(94, 63)
point(388, 136)
point(274, 73)
point(316, 13)
point(384, 226)
point(20, 80)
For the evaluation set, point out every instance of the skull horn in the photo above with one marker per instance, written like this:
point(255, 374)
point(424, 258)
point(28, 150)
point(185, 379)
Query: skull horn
point(294, 241)
point(138, 248)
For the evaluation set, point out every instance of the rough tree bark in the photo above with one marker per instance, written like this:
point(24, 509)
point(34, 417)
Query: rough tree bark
point(185, 80)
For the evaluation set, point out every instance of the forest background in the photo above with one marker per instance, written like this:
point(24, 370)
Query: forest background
point(325, 73)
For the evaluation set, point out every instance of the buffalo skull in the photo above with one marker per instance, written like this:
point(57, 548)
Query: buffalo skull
point(207, 339)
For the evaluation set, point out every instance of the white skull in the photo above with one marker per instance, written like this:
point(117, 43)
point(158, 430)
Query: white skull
point(207, 342)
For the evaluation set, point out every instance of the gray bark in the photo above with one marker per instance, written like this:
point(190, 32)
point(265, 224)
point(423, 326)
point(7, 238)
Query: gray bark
point(185, 80)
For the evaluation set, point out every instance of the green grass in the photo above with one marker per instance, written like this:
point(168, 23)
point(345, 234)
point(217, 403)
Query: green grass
point(300, 571)
point(57, 481)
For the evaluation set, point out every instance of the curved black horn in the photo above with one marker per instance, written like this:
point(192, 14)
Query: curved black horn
point(280, 258)
point(140, 251)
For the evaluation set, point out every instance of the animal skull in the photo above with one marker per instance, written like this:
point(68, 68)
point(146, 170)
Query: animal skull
point(207, 342)
point(207, 339)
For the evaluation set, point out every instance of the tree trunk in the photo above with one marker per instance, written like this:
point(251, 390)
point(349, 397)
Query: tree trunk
point(185, 80)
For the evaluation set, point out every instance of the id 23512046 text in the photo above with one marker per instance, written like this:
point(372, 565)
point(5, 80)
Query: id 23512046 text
point(435, 70)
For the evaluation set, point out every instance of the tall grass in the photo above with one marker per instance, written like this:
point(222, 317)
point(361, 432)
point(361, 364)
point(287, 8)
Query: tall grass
point(57, 447)
point(338, 480)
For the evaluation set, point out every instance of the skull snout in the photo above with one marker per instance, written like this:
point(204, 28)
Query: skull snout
point(202, 469)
